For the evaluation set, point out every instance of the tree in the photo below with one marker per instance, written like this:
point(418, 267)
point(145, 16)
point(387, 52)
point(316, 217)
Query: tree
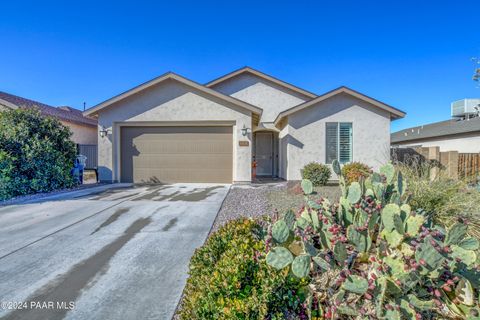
point(476, 75)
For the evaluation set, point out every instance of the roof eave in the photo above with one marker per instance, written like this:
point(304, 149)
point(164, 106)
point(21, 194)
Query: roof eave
point(8, 104)
point(453, 134)
point(170, 75)
point(394, 112)
point(307, 94)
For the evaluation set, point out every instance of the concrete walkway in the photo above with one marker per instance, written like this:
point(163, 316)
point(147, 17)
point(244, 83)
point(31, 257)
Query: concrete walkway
point(111, 253)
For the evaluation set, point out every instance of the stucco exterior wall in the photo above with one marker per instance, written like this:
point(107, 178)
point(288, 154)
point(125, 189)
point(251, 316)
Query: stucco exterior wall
point(170, 103)
point(304, 134)
point(463, 143)
point(82, 134)
point(283, 153)
point(269, 96)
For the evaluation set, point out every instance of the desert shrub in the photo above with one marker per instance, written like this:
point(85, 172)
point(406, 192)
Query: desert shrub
point(36, 153)
point(354, 171)
point(229, 278)
point(443, 198)
point(317, 173)
point(372, 257)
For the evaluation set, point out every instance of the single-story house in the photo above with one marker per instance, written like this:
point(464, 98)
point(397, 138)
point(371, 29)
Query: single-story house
point(84, 128)
point(462, 135)
point(172, 129)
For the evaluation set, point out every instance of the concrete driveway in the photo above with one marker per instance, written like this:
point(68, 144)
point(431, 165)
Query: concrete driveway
point(117, 253)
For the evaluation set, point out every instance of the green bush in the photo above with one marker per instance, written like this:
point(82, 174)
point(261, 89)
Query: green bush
point(317, 173)
point(229, 278)
point(36, 153)
point(371, 256)
point(354, 171)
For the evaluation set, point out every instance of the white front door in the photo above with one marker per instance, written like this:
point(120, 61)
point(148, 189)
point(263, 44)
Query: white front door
point(264, 153)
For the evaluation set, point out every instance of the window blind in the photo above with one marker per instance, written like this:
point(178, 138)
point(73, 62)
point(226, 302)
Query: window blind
point(331, 141)
point(345, 142)
point(339, 142)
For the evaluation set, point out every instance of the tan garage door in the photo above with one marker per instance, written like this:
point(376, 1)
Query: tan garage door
point(176, 154)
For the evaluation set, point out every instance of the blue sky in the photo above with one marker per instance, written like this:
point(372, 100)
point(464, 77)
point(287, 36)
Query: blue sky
point(414, 55)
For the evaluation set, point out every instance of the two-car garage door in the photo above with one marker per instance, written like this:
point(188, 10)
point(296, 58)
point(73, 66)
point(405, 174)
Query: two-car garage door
point(176, 154)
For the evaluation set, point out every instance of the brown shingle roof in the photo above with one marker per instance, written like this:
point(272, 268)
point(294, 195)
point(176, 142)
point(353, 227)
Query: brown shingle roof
point(67, 114)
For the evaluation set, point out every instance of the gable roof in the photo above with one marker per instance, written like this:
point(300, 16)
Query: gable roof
point(62, 113)
point(437, 129)
point(395, 113)
point(170, 75)
point(264, 76)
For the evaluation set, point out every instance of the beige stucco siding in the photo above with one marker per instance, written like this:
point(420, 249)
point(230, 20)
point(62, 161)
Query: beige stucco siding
point(172, 103)
point(82, 134)
point(464, 143)
point(271, 97)
point(302, 140)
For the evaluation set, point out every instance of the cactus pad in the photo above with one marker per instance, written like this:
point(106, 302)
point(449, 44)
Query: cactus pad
point(388, 171)
point(359, 239)
point(279, 258)
point(289, 219)
point(388, 216)
point(340, 252)
point(427, 253)
point(280, 231)
point(336, 167)
point(355, 284)
point(466, 256)
point(301, 266)
point(413, 224)
point(456, 233)
point(307, 186)
point(469, 244)
point(393, 238)
point(354, 192)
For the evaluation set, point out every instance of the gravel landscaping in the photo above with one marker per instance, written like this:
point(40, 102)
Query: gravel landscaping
point(257, 200)
point(246, 201)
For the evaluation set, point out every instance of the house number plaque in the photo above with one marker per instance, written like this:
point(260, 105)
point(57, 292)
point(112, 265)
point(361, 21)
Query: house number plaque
point(243, 143)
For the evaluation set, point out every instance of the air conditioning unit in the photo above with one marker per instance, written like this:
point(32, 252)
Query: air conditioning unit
point(465, 107)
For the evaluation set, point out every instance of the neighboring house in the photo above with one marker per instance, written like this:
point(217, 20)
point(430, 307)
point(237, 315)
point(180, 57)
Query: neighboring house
point(462, 133)
point(172, 129)
point(84, 128)
point(450, 135)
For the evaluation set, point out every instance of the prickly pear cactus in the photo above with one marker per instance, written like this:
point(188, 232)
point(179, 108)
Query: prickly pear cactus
point(307, 186)
point(371, 257)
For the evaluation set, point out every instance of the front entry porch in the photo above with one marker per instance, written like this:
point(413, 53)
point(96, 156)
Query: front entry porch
point(265, 154)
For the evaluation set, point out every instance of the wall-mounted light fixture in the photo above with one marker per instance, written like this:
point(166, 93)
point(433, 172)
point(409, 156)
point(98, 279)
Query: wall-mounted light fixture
point(245, 131)
point(103, 132)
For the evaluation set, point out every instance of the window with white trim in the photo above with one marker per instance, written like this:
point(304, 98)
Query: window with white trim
point(339, 142)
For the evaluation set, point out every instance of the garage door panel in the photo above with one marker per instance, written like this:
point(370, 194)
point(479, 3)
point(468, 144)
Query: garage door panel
point(176, 147)
point(172, 161)
point(176, 154)
point(174, 175)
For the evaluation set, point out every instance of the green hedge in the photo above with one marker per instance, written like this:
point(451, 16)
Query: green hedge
point(229, 278)
point(36, 153)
